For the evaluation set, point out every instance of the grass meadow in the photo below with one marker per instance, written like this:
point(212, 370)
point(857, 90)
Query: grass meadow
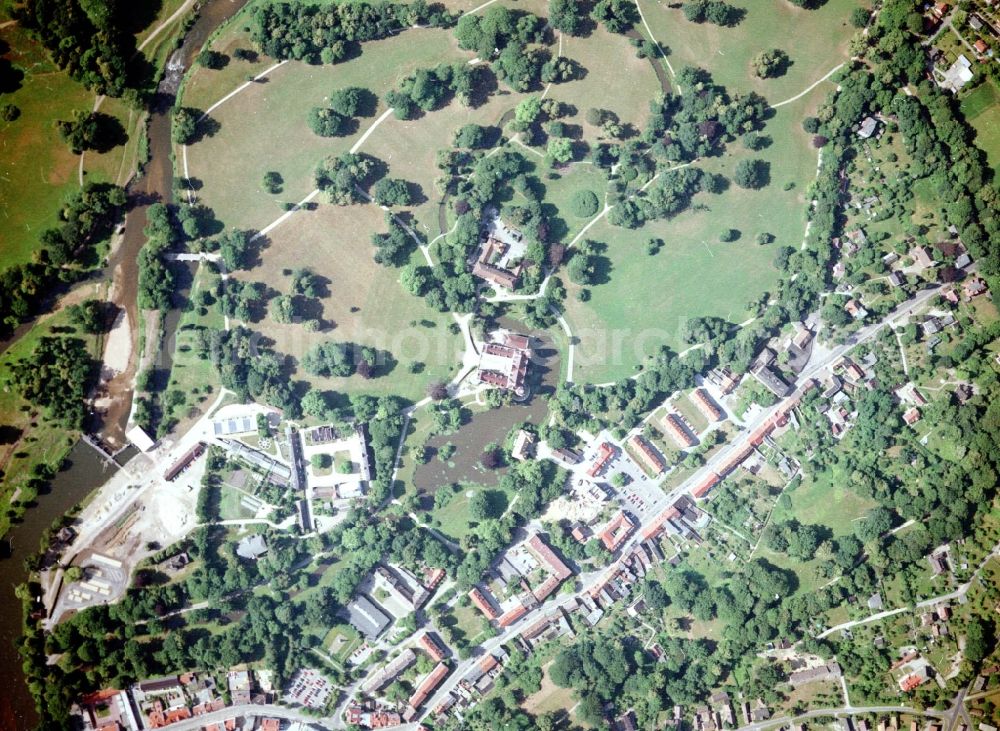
point(815, 41)
point(645, 300)
point(265, 127)
point(982, 110)
point(365, 303)
point(37, 169)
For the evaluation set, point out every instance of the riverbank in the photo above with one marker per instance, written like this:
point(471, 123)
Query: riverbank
point(85, 469)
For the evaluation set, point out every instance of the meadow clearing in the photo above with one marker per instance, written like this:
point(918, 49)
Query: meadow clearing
point(363, 302)
point(815, 41)
point(645, 300)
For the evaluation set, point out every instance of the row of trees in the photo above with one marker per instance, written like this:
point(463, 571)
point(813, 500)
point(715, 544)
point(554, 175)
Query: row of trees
point(332, 33)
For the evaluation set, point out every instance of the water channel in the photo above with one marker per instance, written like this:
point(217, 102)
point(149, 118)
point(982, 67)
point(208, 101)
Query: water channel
point(85, 469)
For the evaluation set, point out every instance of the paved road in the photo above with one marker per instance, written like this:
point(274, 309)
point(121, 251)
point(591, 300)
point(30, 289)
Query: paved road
point(841, 711)
point(587, 581)
point(288, 714)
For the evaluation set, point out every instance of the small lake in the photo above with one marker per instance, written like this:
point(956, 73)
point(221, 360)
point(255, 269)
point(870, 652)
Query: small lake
point(485, 427)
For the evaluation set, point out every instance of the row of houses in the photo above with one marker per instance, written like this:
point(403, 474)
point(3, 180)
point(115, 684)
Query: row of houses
point(161, 702)
point(777, 420)
point(517, 571)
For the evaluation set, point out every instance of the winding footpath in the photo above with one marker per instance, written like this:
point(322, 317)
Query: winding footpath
point(809, 88)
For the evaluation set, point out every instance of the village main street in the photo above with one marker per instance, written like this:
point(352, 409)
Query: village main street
point(820, 360)
point(121, 493)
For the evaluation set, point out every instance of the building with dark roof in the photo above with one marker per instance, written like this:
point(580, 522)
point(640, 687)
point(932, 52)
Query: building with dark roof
point(366, 617)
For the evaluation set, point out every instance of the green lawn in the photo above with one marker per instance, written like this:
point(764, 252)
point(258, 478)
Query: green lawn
point(689, 411)
point(646, 299)
point(264, 128)
point(815, 41)
point(230, 506)
point(335, 242)
point(454, 519)
point(825, 499)
point(37, 169)
point(609, 59)
point(203, 87)
point(470, 621)
point(341, 641)
point(559, 192)
point(194, 377)
point(982, 111)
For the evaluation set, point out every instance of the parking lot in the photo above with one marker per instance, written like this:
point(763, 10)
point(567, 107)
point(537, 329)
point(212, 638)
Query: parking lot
point(639, 493)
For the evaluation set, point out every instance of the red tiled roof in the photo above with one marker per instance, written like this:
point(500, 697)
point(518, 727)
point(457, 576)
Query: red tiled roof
point(549, 558)
point(677, 431)
point(710, 481)
point(427, 687)
point(484, 605)
point(432, 646)
point(648, 455)
point(604, 454)
point(706, 405)
point(657, 525)
point(545, 588)
point(488, 663)
point(512, 615)
point(617, 530)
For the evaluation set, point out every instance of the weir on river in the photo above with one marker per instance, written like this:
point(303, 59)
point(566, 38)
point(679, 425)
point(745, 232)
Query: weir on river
point(85, 468)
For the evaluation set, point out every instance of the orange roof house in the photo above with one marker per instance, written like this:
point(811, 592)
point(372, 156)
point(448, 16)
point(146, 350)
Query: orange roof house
point(710, 481)
point(512, 615)
point(617, 530)
point(650, 458)
point(432, 646)
point(706, 405)
point(547, 556)
point(482, 603)
point(604, 455)
point(657, 525)
point(424, 690)
point(677, 431)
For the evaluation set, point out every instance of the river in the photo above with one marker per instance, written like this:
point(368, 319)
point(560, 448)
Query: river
point(83, 472)
point(155, 185)
point(84, 469)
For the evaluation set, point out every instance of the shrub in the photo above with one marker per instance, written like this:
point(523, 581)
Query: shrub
point(584, 204)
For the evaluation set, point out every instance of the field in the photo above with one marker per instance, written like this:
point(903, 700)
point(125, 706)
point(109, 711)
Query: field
point(550, 698)
point(608, 59)
point(815, 41)
point(190, 375)
point(647, 299)
point(982, 110)
point(37, 169)
point(340, 642)
point(825, 500)
point(265, 128)
point(454, 518)
point(364, 304)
